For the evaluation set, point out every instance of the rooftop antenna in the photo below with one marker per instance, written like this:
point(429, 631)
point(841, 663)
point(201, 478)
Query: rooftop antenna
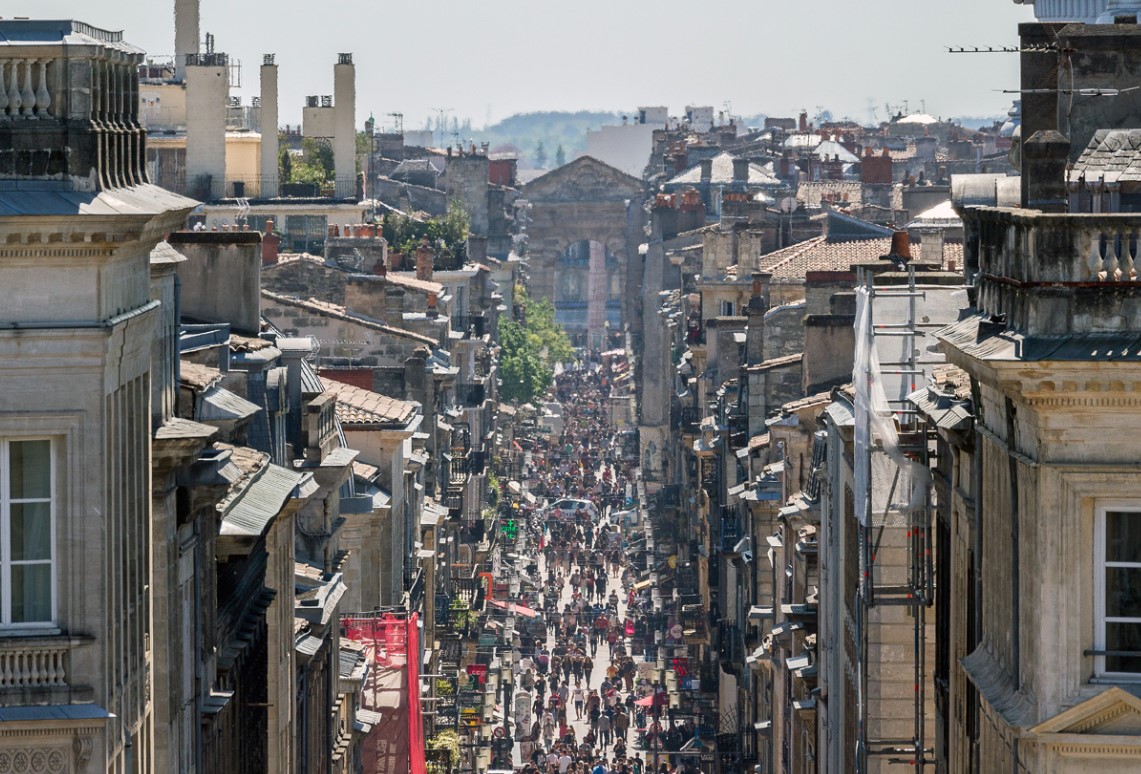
point(442, 122)
point(399, 119)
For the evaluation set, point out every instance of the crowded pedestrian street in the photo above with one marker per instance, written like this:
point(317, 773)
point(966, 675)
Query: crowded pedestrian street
point(587, 698)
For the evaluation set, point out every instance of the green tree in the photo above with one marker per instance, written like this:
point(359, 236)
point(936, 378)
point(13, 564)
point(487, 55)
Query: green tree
point(448, 234)
point(285, 163)
point(540, 154)
point(560, 156)
point(528, 350)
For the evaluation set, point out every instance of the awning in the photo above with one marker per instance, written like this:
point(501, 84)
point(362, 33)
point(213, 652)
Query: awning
point(640, 585)
point(511, 607)
point(647, 701)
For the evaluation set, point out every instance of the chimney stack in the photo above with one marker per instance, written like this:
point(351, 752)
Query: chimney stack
point(433, 312)
point(207, 94)
point(900, 246)
point(755, 313)
point(269, 148)
point(1044, 158)
point(344, 127)
point(270, 245)
point(186, 34)
point(741, 171)
point(424, 258)
point(706, 170)
point(803, 121)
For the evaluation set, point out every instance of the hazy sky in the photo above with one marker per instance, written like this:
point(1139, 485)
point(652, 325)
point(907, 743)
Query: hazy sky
point(491, 58)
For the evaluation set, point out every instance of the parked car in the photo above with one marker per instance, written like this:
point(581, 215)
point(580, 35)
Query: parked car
point(569, 509)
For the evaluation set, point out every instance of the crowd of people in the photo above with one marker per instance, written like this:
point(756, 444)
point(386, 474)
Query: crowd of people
point(592, 708)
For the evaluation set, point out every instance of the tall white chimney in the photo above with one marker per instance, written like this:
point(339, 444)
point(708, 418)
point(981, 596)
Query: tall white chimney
point(269, 149)
point(344, 126)
point(185, 34)
point(207, 90)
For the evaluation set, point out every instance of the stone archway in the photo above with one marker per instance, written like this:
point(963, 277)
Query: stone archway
point(588, 293)
point(585, 202)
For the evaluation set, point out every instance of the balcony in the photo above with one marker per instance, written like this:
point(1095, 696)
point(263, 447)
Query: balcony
point(1054, 274)
point(730, 644)
point(689, 419)
point(730, 531)
point(459, 470)
point(38, 669)
point(470, 394)
point(471, 325)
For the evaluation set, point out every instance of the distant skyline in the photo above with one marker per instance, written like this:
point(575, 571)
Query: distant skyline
point(488, 60)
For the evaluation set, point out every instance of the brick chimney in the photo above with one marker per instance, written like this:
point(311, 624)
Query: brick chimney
point(424, 257)
point(433, 311)
point(270, 245)
point(803, 125)
point(900, 246)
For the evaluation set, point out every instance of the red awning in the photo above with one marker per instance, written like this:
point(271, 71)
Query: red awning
point(513, 608)
point(647, 701)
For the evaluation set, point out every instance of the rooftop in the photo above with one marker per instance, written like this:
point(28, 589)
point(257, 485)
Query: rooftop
point(339, 312)
point(822, 254)
point(723, 173)
point(1112, 155)
point(356, 406)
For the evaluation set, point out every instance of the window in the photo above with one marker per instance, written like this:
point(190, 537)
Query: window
point(27, 533)
point(727, 309)
point(1117, 589)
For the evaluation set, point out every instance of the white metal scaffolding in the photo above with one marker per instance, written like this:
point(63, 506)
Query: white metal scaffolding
point(892, 494)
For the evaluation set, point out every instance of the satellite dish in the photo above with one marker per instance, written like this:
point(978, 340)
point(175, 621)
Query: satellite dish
point(787, 205)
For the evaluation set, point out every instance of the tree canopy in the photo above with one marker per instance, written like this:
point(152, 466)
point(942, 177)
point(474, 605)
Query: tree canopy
point(447, 234)
point(529, 350)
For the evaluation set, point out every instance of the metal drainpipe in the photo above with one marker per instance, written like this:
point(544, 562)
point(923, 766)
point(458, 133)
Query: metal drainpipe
point(977, 545)
point(1015, 590)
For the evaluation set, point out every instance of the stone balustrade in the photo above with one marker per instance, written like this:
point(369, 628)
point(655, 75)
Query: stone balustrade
point(1051, 273)
point(30, 663)
point(1034, 247)
point(24, 88)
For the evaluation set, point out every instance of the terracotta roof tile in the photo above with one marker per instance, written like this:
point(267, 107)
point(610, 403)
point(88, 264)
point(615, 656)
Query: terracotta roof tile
point(363, 407)
point(819, 254)
point(197, 377)
point(408, 279)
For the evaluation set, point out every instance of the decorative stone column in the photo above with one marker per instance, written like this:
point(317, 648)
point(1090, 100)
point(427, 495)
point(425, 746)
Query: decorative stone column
point(43, 96)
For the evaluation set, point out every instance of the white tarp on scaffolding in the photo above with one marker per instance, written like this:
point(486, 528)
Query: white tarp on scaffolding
point(897, 485)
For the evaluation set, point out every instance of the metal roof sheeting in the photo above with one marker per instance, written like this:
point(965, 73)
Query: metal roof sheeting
point(255, 507)
point(217, 404)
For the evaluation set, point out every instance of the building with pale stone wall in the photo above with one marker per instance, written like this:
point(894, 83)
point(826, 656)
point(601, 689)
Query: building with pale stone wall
point(77, 328)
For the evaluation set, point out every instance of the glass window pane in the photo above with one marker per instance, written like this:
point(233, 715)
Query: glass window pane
point(31, 593)
point(31, 531)
point(1123, 637)
point(31, 469)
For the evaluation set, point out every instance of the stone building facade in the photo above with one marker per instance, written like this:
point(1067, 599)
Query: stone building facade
point(585, 201)
point(76, 334)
